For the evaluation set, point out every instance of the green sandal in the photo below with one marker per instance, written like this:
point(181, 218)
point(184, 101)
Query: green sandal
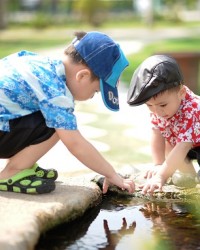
point(27, 182)
point(49, 174)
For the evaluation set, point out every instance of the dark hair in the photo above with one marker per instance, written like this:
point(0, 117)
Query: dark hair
point(71, 51)
point(74, 55)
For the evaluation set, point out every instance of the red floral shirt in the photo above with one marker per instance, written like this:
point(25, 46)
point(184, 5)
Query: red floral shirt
point(184, 126)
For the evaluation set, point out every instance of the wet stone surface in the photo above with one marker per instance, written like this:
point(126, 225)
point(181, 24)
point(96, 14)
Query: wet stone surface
point(170, 191)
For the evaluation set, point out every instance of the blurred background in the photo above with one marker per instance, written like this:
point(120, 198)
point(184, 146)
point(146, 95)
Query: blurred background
point(142, 27)
point(43, 13)
point(159, 26)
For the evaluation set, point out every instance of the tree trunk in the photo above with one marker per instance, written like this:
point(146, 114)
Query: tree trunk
point(3, 14)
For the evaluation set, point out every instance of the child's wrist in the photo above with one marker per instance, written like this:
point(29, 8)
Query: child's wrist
point(162, 175)
point(157, 165)
point(112, 175)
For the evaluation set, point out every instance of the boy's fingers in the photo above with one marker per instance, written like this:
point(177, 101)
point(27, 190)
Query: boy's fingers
point(160, 187)
point(129, 185)
point(148, 188)
point(145, 189)
point(145, 175)
point(152, 188)
point(105, 186)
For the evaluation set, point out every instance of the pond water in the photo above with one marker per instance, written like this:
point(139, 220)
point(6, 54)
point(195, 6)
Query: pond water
point(130, 223)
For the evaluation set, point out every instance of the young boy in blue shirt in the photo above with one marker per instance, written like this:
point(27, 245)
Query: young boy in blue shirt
point(37, 97)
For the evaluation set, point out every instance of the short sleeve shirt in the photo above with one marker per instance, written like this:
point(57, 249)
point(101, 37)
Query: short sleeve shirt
point(31, 83)
point(184, 126)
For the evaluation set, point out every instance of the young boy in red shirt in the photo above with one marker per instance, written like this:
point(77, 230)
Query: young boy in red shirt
point(175, 118)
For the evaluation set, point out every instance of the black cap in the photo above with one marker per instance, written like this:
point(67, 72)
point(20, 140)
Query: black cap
point(155, 74)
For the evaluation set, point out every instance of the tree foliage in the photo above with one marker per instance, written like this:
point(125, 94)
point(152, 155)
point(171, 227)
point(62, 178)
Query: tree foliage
point(91, 11)
point(3, 14)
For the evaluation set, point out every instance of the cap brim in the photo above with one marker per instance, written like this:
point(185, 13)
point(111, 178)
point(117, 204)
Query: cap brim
point(138, 95)
point(109, 96)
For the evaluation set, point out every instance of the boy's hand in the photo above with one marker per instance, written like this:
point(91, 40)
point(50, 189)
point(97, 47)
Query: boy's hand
point(155, 183)
point(124, 184)
point(151, 172)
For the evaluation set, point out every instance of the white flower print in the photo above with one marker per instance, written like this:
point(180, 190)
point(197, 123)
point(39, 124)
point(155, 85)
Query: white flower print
point(32, 83)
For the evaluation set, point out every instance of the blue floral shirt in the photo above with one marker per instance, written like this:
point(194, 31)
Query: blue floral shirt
point(30, 83)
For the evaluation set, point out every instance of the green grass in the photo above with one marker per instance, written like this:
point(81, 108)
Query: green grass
point(31, 39)
point(33, 45)
point(191, 44)
point(34, 40)
point(134, 22)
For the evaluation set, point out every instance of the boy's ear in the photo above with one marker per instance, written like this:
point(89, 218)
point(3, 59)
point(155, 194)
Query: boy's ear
point(83, 74)
point(182, 92)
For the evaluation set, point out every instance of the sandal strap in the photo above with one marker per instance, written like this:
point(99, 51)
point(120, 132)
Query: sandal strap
point(45, 173)
point(27, 182)
point(19, 176)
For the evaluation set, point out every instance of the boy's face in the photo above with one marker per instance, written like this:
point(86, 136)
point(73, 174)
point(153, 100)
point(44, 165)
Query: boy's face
point(93, 88)
point(166, 104)
point(87, 90)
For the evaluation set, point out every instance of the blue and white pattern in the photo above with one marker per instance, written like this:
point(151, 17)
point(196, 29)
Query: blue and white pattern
point(29, 83)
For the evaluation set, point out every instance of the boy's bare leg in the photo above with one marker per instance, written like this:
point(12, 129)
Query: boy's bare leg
point(27, 157)
point(186, 167)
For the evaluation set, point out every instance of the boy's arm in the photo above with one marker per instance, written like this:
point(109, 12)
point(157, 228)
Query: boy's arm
point(175, 159)
point(157, 144)
point(90, 157)
point(157, 147)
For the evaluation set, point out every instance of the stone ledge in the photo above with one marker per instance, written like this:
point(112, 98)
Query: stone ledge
point(24, 217)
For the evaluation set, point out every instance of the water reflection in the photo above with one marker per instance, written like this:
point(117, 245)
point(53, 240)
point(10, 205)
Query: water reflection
point(120, 223)
point(176, 224)
point(113, 238)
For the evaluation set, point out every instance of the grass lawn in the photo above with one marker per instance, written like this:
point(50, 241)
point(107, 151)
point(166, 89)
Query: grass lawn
point(190, 44)
point(31, 39)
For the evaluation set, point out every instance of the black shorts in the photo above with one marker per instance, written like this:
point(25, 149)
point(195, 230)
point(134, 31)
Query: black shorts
point(24, 131)
point(194, 154)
